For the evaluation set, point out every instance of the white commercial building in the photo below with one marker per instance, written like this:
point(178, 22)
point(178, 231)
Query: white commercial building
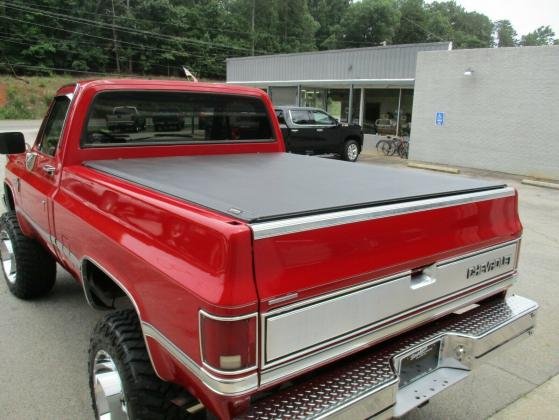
point(495, 109)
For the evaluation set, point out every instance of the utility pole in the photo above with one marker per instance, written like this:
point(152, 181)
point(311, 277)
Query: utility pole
point(130, 68)
point(253, 13)
point(115, 40)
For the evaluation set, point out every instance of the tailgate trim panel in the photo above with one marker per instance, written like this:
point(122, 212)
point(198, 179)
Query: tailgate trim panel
point(301, 327)
point(305, 223)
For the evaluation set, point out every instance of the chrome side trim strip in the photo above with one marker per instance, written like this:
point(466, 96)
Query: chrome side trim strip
point(333, 352)
point(218, 385)
point(304, 223)
point(40, 231)
point(48, 237)
point(64, 250)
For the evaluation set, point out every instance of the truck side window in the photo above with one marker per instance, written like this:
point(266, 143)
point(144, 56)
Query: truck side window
point(301, 117)
point(322, 118)
point(53, 127)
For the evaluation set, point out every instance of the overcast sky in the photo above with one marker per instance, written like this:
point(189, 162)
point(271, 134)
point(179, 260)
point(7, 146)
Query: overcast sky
point(525, 15)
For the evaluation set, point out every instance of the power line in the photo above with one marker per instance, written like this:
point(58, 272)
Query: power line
point(134, 47)
point(423, 29)
point(76, 19)
point(133, 31)
point(81, 33)
point(141, 64)
point(131, 18)
point(43, 68)
point(61, 42)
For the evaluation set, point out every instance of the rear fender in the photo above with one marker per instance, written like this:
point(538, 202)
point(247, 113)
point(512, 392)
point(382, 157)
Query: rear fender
point(162, 364)
point(166, 367)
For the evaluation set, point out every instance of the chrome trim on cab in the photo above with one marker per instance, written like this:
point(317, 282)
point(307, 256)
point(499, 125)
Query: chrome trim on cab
point(220, 386)
point(304, 223)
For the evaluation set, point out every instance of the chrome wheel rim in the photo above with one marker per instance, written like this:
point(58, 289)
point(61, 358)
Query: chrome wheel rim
point(352, 151)
point(110, 400)
point(8, 257)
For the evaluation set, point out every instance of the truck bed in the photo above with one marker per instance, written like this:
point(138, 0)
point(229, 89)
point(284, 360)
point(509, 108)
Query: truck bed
point(266, 187)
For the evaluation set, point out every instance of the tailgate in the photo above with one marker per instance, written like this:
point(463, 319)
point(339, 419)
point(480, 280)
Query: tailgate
point(323, 278)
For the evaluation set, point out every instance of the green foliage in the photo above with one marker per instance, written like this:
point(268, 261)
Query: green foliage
point(505, 34)
point(29, 99)
point(449, 21)
point(368, 22)
point(413, 24)
point(328, 14)
point(15, 107)
point(544, 35)
point(158, 37)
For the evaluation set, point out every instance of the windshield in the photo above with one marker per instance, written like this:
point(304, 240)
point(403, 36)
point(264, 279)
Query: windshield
point(125, 118)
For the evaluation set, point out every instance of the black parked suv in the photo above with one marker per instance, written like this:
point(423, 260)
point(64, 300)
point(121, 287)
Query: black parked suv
point(312, 131)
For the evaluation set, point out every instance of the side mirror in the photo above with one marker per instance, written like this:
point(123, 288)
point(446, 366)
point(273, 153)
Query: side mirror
point(12, 143)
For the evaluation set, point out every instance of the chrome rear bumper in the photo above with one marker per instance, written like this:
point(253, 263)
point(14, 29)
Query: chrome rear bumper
point(369, 385)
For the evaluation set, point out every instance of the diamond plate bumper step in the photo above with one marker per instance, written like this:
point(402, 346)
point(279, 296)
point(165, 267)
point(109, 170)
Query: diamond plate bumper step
point(369, 384)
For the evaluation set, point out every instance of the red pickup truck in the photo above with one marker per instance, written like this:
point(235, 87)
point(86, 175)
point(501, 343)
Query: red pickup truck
point(245, 282)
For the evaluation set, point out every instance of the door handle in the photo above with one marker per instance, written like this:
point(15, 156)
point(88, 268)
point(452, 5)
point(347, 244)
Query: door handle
point(423, 278)
point(49, 169)
point(420, 280)
point(295, 130)
point(320, 130)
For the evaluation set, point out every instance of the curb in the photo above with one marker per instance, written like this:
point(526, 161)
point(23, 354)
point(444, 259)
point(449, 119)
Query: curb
point(437, 168)
point(544, 184)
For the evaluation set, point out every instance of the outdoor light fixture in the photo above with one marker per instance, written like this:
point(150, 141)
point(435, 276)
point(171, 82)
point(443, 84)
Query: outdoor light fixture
point(469, 72)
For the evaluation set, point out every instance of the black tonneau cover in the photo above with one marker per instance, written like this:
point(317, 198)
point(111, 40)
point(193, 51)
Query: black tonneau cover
point(263, 187)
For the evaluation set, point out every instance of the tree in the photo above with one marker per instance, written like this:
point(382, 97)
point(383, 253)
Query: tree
point(158, 37)
point(297, 25)
point(544, 35)
point(328, 14)
point(369, 22)
point(449, 21)
point(413, 23)
point(505, 34)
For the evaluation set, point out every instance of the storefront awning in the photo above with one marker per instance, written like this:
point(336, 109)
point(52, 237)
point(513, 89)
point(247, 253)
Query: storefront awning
point(357, 83)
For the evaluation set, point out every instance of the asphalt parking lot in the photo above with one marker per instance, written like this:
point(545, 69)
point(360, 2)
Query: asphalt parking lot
point(43, 343)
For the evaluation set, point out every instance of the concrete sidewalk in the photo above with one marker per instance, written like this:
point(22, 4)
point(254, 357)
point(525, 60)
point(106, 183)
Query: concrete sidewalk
point(541, 403)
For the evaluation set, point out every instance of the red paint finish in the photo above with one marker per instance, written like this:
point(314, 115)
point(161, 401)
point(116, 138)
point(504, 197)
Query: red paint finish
point(175, 258)
point(320, 261)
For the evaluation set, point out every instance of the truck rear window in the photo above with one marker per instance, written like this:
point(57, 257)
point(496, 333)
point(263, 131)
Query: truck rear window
point(126, 118)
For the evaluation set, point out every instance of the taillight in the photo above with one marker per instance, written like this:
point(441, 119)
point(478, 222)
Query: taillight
point(228, 345)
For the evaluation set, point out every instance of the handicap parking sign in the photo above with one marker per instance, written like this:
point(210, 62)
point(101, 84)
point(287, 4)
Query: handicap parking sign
point(439, 119)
